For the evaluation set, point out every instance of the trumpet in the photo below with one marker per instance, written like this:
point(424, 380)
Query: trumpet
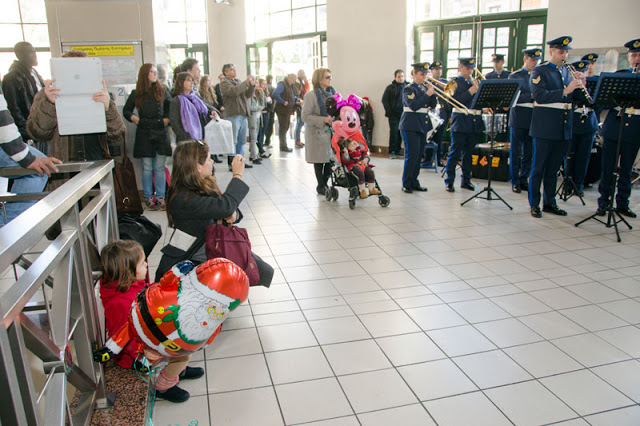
point(440, 89)
point(573, 71)
point(478, 75)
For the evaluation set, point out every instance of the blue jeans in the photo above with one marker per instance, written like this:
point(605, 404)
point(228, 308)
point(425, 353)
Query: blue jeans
point(262, 131)
point(299, 124)
point(23, 185)
point(239, 124)
point(153, 169)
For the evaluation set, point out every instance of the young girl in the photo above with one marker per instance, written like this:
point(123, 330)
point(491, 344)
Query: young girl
point(354, 157)
point(124, 275)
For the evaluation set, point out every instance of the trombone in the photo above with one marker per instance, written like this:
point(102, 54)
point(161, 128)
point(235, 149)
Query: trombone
point(441, 92)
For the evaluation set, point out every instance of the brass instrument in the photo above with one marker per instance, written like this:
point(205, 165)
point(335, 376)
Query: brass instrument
point(573, 71)
point(478, 75)
point(441, 92)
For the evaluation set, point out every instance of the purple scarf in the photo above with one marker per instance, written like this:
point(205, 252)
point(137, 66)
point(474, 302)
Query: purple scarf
point(190, 109)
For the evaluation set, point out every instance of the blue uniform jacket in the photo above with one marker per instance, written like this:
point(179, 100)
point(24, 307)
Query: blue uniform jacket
point(547, 83)
point(588, 123)
point(460, 122)
point(415, 97)
point(493, 74)
point(520, 117)
point(611, 126)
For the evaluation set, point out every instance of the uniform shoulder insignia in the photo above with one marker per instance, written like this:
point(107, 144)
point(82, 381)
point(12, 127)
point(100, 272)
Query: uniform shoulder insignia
point(411, 96)
point(545, 63)
point(536, 80)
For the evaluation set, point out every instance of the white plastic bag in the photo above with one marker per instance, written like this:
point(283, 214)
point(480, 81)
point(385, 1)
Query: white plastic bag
point(218, 134)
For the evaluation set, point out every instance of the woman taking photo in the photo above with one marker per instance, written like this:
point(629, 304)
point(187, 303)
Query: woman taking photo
point(188, 114)
point(318, 134)
point(152, 144)
point(195, 201)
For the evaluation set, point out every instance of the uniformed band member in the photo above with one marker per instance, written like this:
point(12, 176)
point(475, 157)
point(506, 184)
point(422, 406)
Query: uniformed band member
point(585, 125)
point(414, 124)
point(466, 129)
point(444, 109)
point(553, 90)
point(593, 59)
point(498, 67)
point(628, 147)
point(520, 123)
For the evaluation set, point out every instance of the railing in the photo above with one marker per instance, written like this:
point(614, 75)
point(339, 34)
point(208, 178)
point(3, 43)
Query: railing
point(63, 330)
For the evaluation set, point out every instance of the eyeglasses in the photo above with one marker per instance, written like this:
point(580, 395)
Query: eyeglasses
point(328, 77)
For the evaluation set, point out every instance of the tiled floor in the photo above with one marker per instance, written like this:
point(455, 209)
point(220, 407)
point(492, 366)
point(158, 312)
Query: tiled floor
point(422, 313)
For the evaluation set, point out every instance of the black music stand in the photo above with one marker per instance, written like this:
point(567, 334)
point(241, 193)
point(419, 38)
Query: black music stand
point(616, 90)
point(494, 94)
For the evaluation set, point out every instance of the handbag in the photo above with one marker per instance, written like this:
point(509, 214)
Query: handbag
point(232, 243)
point(141, 229)
point(126, 187)
point(218, 134)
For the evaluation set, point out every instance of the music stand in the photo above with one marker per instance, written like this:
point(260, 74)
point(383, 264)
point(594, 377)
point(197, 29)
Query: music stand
point(494, 94)
point(616, 90)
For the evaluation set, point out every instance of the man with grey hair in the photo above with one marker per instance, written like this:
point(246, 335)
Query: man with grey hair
point(285, 105)
point(236, 95)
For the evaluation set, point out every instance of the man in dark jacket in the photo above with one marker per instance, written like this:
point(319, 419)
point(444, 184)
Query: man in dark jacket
point(392, 102)
point(285, 103)
point(20, 86)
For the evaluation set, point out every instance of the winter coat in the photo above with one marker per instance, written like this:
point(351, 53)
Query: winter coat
point(392, 99)
point(317, 135)
point(152, 136)
point(175, 120)
point(19, 89)
point(256, 105)
point(236, 95)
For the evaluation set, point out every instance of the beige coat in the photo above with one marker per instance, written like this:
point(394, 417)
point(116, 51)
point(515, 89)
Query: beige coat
point(317, 135)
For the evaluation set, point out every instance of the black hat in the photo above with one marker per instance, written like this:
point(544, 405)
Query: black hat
point(581, 65)
point(435, 64)
point(633, 45)
point(421, 66)
point(497, 57)
point(468, 62)
point(535, 53)
point(561, 43)
point(590, 57)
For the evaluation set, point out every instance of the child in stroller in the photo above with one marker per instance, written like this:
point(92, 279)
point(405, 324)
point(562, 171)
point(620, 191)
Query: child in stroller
point(356, 161)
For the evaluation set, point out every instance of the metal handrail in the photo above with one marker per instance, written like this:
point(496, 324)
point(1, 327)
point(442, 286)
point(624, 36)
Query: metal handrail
point(72, 316)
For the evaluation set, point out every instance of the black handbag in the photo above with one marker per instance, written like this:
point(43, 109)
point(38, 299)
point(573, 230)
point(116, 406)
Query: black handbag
point(141, 229)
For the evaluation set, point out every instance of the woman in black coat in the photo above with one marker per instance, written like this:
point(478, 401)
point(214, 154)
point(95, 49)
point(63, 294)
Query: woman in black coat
point(152, 145)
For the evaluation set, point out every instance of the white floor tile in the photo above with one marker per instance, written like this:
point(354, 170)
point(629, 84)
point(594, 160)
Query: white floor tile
point(286, 336)
point(480, 310)
point(596, 292)
point(468, 409)
point(337, 330)
point(542, 359)
point(627, 339)
point(560, 298)
point(230, 374)
point(234, 343)
point(410, 349)
point(624, 376)
point(389, 323)
point(376, 390)
point(436, 379)
point(463, 340)
point(621, 417)
point(252, 406)
point(593, 318)
point(312, 400)
point(311, 289)
point(409, 415)
point(491, 369)
point(590, 350)
point(434, 317)
point(196, 408)
point(551, 325)
point(508, 332)
point(520, 304)
point(355, 357)
point(628, 310)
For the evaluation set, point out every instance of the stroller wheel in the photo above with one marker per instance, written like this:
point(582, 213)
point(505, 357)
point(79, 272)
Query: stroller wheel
point(334, 193)
point(352, 204)
point(384, 200)
point(327, 194)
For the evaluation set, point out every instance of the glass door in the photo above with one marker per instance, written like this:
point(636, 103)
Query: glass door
point(497, 37)
point(458, 42)
point(428, 48)
point(258, 59)
point(532, 34)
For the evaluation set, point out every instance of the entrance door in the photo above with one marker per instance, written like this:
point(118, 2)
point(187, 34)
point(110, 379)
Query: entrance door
point(497, 37)
point(458, 42)
point(289, 56)
point(428, 49)
point(177, 53)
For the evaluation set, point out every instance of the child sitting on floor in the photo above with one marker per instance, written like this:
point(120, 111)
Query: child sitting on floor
point(357, 162)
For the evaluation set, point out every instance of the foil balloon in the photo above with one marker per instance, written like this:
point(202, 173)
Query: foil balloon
point(348, 123)
point(184, 311)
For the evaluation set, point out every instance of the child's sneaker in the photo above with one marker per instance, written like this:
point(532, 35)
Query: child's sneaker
point(151, 204)
point(160, 204)
point(374, 191)
point(363, 193)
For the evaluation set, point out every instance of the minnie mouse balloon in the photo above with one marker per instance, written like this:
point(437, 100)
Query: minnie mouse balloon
point(184, 311)
point(349, 122)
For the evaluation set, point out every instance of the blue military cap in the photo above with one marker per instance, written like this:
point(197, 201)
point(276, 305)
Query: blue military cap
point(581, 65)
point(435, 64)
point(633, 45)
point(468, 62)
point(561, 43)
point(421, 66)
point(496, 57)
point(590, 57)
point(535, 53)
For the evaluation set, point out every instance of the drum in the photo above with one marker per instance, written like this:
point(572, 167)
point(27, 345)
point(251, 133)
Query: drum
point(500, 122)
point(436, 122)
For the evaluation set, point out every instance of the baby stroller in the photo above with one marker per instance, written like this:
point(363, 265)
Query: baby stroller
point(341, 177)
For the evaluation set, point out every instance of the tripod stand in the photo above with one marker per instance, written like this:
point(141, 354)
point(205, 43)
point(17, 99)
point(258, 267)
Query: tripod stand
point(568, 187)
point(493, 94)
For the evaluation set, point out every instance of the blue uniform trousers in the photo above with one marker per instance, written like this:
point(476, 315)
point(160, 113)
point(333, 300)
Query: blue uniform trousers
point(628, 153)
point(580, 154)
point(413, 150)
point(520, 156)
point(547, 158)
point(462, 145)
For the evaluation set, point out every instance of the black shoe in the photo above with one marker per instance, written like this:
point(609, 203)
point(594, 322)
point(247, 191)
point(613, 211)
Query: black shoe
point(516, 188)
point(440, 163)
point(535, 212)
point(265, 155)
point(469, 186)
point(407, 190)
point(524, 186)
point(267, 143)
point(248, 166)
point(420, 188)
point(580, 193)
point(217, 159)
point(321, 190)
point(626, 211)
point(287, 149)
point(256, 161)
point(554, 209)
point(601, 211)
point(174, 394)
point(450, 188)
point(191, 373)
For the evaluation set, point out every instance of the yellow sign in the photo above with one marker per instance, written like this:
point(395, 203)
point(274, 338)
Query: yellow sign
point(495, 162)
point(106, 50)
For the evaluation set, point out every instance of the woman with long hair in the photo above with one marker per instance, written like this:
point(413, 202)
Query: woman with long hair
point(194, 201)
point(152, 143)
point(188, 114)
point(318, 134)
point(208, 92)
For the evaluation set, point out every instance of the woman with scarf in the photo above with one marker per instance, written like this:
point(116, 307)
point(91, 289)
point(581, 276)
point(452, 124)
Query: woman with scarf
point(318, 134)
point(188, 114)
